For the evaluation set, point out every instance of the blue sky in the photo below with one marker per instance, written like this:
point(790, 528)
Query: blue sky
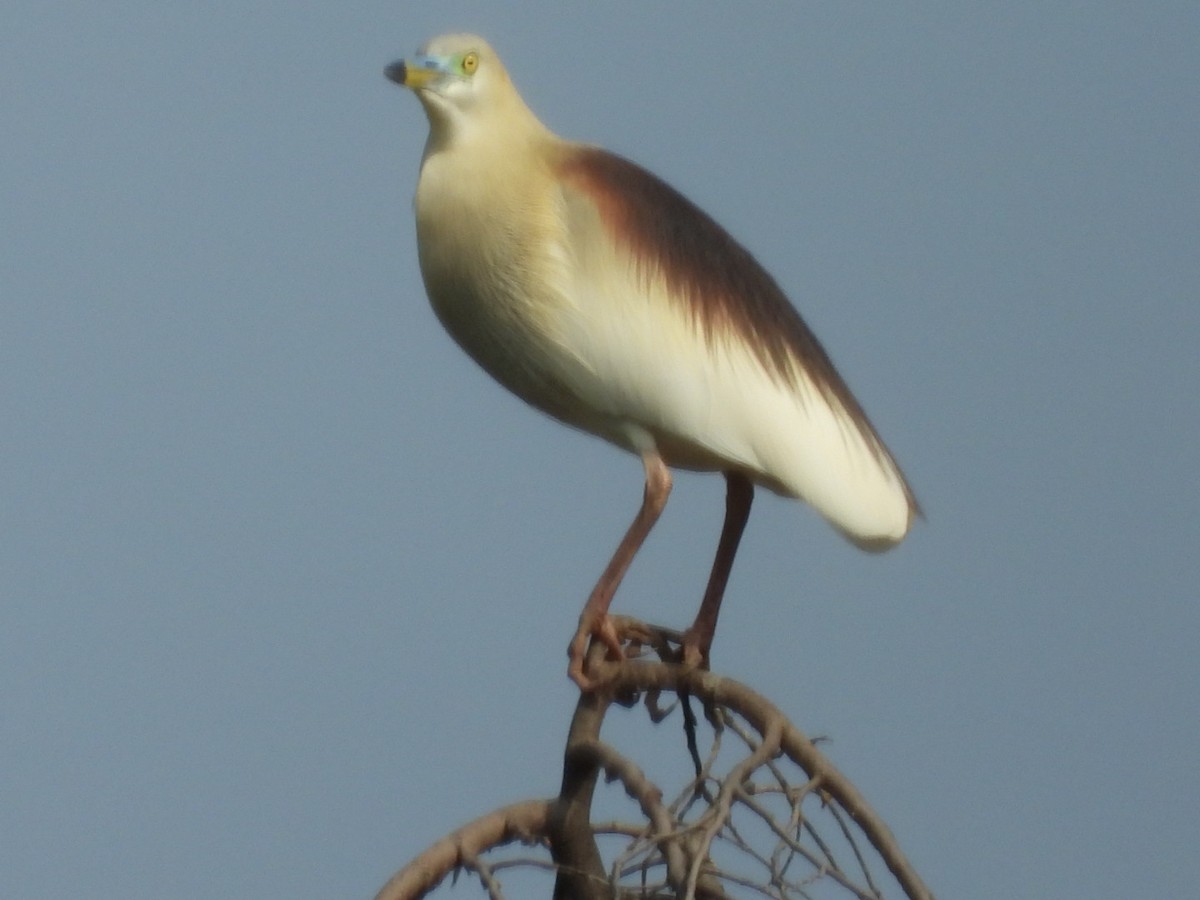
point(286, 582)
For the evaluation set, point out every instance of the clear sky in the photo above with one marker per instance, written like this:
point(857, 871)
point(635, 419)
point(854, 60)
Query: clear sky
point(286, 582)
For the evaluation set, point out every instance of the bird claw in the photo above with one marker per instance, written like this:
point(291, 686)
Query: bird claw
point(604, 630)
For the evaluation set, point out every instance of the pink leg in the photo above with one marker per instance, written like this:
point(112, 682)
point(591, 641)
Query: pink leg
point(594, 620)
point(697, 640)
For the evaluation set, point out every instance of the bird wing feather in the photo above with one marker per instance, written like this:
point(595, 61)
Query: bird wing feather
point(675, 329)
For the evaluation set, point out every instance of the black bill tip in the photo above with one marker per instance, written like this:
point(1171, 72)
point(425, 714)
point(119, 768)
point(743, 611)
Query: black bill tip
point(396, 72)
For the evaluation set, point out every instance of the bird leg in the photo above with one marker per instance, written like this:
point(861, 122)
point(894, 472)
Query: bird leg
point(594, 621)
point(739, 493)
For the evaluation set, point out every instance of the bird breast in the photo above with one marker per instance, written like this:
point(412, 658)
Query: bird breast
point(491, 261)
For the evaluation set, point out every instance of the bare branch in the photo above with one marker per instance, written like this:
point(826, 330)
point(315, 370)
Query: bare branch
point(633, 675)
point(525, 822)
point(764, 811)
point(648, 796)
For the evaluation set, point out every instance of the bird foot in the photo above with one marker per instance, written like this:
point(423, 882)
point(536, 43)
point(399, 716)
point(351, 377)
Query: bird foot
point(693, 649)
point(623, 637)
point(603, 629)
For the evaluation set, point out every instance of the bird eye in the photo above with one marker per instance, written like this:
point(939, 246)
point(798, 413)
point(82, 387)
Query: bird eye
point(470, 63)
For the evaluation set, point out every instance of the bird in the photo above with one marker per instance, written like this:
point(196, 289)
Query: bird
point(603, 297)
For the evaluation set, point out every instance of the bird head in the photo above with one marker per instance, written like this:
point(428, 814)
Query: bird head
point(459, 80)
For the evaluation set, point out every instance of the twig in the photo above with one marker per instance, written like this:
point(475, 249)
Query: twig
point(811, 858)
point(718, 813)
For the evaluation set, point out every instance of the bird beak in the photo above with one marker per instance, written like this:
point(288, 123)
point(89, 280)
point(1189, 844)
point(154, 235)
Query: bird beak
point(416, 75)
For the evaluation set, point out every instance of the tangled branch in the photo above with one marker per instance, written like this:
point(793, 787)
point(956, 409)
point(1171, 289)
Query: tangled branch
point(764, 813)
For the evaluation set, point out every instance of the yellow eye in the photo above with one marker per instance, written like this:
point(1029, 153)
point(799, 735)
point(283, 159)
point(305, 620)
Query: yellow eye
point(470, 63)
